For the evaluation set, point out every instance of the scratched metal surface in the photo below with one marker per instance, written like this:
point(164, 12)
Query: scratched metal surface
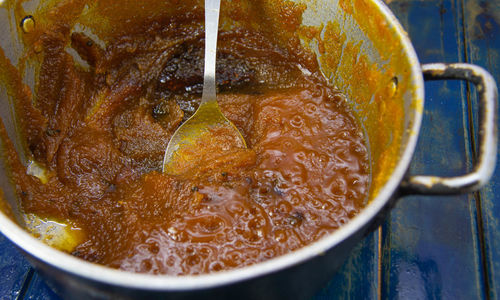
point(430, 247)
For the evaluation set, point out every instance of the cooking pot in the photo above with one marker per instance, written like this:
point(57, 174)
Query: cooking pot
point(361, 49)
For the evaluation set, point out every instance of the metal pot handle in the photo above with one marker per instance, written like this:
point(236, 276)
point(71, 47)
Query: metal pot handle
point(483, 169)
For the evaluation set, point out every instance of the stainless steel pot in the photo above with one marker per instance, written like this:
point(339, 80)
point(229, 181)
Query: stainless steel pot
point(363, 50)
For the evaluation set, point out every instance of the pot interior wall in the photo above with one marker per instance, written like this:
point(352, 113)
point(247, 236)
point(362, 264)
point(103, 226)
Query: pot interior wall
point(364, 56)
point(357, 49)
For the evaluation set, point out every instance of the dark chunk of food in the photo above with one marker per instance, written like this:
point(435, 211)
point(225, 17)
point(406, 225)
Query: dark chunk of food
point(184, 72)
point(86, 48)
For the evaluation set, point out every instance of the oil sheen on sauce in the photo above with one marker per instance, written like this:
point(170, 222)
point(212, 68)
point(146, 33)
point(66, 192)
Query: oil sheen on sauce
point(100, 133)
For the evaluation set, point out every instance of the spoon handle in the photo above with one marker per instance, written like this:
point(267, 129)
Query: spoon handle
point(212, 8)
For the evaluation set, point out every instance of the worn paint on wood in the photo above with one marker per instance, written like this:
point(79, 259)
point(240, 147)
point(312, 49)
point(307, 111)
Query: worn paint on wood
point(358, 277)
point(431, 249)
point(482, 36)
point(14, 270)
point(37, 289)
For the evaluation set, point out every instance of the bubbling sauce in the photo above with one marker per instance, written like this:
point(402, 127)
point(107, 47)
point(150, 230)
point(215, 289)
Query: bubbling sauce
point(100, 131)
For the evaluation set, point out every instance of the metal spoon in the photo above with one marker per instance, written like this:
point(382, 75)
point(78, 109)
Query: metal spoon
point(186, 139)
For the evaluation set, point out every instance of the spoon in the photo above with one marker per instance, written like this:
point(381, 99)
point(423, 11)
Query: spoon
point(207, 130)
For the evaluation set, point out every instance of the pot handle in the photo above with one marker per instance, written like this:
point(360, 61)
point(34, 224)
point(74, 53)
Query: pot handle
point(483, 169)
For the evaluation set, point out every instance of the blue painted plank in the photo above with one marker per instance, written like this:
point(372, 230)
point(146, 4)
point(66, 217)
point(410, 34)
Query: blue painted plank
point(13, 269)
point(431, 243)
point(358, 277)
point(38, 290)
point(482, 32)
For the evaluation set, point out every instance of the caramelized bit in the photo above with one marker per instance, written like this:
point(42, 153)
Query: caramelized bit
point(197, 198)
point(184, 72)
point(168, 113)
point(296, 219)
point(87, 49)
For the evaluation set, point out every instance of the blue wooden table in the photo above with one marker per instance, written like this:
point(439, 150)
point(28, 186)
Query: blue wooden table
point(429, 247)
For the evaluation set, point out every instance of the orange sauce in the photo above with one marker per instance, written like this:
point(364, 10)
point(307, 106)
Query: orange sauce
point(101, 132)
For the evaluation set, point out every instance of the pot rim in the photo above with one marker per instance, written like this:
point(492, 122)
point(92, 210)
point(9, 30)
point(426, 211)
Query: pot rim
point(106, 275)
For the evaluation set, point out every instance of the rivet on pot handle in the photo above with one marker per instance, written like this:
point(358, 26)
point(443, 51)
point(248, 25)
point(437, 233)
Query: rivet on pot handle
point(482, 171)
